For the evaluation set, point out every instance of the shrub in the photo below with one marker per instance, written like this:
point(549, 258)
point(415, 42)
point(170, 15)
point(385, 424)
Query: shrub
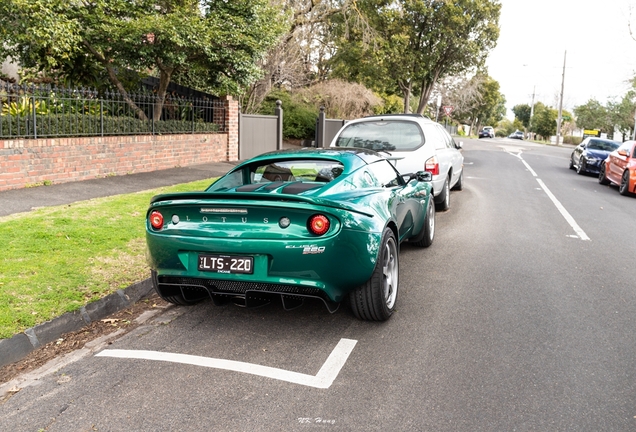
point(61, 125)
point(341, 99)
point(569, 139)
point(392, 104)
point(299, 119)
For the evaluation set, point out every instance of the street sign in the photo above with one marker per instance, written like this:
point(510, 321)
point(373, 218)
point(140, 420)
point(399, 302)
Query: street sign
point(448, 110)
point(591, 132)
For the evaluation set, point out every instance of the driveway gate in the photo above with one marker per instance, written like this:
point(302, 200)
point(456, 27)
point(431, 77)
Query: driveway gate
point(259, 134)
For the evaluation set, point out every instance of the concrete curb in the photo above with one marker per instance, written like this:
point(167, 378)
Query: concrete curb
point(20, 345)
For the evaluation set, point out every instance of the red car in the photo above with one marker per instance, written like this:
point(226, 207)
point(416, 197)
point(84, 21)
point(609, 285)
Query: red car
point(620, 168)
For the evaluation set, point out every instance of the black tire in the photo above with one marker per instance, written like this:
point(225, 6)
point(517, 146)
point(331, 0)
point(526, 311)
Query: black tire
point(602, 178)
point(571, 163)
point(580, 169)
point(180, 301)
point(375, 299)
point(443, 199)
point(175, 296)
point(427, 234)
point(623, 188)
point(460, 182)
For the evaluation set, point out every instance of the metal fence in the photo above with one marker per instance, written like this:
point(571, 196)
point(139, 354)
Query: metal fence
point(45, 111)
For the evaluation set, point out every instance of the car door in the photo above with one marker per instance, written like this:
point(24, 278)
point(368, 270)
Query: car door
point(451, 154)
point(578, 150)
point(403, 206)
point(618, 163)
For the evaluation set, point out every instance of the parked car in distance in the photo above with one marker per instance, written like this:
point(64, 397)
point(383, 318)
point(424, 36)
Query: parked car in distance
point(412, 143)
point(588, 156)
point(516, 135)
point(487, 132)
point(620, 168)
point(291, 225)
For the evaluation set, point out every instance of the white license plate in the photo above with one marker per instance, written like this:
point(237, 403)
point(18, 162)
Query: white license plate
point(226, 264)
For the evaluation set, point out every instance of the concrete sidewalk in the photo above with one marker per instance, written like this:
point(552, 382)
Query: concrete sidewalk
point(26, 199)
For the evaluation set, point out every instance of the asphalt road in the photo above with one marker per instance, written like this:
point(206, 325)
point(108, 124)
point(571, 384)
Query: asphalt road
point(520, 317)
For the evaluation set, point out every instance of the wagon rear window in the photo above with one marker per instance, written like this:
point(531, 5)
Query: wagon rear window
point(382, 135)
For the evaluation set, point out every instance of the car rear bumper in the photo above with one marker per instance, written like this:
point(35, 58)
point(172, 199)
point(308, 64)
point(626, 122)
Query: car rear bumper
point(330, 267)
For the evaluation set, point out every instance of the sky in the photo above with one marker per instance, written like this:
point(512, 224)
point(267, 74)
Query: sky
point(536, 36)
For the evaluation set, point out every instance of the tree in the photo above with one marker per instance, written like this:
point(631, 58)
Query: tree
point(522, 112)
point(220, 40)
point(300, 58)
point(491, 107)
point(593, 115)
point(462, 93)
point(544, 120)
point(621, 114)
point(416, 43)
point(504, 127)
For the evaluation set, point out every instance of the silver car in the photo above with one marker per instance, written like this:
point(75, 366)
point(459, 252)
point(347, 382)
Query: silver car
point(413, 143)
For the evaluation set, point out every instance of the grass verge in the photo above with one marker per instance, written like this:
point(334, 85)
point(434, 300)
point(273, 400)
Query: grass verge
point(57, 259)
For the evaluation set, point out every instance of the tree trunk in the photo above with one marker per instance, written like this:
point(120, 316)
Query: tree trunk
point(112, 76)
point(165, 73)
point(406, 91)
point(424, 96)
point(427, 88)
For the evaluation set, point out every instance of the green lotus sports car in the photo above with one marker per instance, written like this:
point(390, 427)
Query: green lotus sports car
point(292, 224)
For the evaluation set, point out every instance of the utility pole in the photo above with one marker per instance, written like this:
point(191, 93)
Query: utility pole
point(534, 89)
point(439, 104)
point(558, 134)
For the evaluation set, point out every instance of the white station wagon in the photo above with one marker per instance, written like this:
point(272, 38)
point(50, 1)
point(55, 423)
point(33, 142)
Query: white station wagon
point(413, 143)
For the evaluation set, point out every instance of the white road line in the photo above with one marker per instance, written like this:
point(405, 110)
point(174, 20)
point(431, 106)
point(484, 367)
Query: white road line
point(325, 377)
point(568, 217)
point(528, 166)
point(564, 212)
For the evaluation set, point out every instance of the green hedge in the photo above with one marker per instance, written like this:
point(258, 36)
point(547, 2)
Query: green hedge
point(299, 119)
point(569, 139)
point(68, 125)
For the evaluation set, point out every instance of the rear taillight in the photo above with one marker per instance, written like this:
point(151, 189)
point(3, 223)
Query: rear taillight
point(156, 220)
point(432, 166)
point(318, 224)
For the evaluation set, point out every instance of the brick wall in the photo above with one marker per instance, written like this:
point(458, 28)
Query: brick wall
point(26, 162)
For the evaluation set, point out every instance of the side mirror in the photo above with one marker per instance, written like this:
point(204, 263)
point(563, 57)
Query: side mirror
point(623, 152)
point(460, 145)
point(420, 176)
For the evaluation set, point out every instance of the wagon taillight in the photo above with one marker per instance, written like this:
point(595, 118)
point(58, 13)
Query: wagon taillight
point(432, 166)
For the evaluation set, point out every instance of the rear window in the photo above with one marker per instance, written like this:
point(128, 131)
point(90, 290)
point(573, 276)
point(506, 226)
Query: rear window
point(297, 170)
point(382, 135)
point(307, 170)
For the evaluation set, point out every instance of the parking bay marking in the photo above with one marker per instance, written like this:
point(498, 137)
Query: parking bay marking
point(568, 217)
point(323, 379)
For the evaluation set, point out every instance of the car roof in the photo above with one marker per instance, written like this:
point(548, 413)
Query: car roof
point(393, 117)
point(602, 140)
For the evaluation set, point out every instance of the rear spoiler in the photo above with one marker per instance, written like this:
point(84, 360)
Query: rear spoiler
point(234, 197)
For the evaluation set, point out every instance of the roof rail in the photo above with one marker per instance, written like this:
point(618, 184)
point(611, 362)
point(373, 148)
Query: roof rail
point(399, 115)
